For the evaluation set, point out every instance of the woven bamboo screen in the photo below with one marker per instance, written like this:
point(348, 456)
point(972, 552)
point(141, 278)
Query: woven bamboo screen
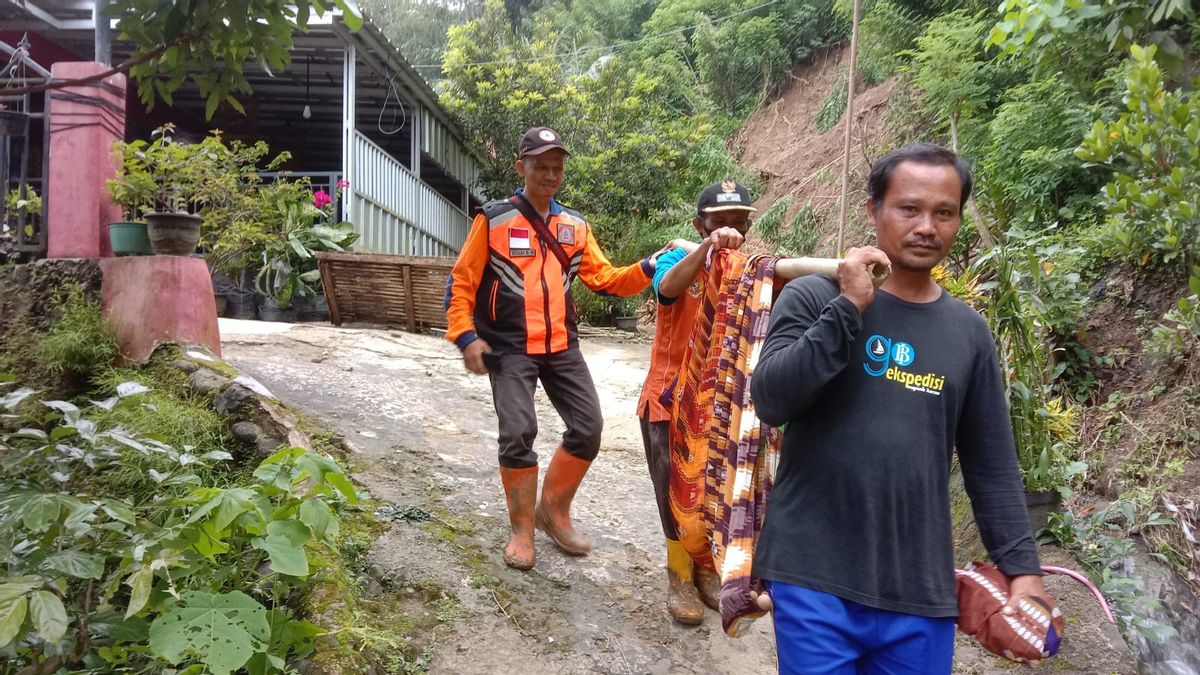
point(391, 290)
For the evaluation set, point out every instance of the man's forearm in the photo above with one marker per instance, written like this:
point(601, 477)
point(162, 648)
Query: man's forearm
point(679, 277)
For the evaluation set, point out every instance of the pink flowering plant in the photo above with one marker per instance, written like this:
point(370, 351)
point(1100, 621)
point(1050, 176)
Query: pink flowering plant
point(289, 263)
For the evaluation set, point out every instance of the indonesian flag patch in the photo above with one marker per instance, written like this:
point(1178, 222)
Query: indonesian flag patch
point(518, 242)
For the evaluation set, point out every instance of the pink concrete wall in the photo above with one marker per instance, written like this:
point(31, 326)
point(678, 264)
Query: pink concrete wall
point(154, 300)
point(84, 122)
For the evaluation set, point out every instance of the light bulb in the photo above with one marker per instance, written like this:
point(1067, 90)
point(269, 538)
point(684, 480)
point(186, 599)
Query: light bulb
point(307, 112)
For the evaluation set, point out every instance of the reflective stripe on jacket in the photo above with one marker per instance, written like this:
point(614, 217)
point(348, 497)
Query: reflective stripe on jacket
point(510, 289)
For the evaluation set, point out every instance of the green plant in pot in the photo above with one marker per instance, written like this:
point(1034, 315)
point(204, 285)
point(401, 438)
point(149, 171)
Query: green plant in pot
point(289, 266)
point(130, 190)
point(162, 180)
point(624, 312)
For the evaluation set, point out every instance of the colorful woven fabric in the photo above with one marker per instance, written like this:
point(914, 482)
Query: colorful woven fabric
point(722, 457)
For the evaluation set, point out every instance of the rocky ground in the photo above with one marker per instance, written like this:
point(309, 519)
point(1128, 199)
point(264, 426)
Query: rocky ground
point(423, 432)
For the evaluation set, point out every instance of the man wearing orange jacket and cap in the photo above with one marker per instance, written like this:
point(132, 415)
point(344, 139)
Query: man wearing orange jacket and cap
point(511, 314)
point(722, 219)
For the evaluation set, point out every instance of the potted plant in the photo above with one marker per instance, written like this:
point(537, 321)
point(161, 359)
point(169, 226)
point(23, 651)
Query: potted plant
point(624, 312)
point(289, 273)
point(131, 190)
point(160, 179)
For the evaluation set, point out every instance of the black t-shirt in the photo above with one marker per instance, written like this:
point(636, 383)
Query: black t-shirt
point(875, 404)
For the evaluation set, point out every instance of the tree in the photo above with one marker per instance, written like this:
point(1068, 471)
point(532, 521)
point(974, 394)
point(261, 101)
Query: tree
point(953, 77)
point(207, 42)
point(1032, 26)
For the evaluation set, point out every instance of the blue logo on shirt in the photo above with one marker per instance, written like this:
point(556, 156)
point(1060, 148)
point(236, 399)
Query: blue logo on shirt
point(885, 352)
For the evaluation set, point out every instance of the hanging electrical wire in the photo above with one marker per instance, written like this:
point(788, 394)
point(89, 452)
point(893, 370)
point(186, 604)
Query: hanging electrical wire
point(391, 91)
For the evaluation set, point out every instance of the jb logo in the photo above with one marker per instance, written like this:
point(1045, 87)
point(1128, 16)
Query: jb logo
point(885, 352)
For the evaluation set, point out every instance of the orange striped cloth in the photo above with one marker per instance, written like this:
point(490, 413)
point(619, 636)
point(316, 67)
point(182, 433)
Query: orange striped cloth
point(722, 457)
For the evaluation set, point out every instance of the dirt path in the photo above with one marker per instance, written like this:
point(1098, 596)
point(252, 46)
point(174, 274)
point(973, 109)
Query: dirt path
point(424, 432)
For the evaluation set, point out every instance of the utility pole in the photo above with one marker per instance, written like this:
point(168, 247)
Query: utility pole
point(103, 52)
point(849, 116)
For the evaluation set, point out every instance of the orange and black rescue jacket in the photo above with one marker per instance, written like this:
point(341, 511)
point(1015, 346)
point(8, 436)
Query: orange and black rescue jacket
point(509, 287)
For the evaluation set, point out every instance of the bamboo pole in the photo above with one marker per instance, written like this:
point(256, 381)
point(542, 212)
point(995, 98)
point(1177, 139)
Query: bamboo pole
point(849, 116)
point(787, 269)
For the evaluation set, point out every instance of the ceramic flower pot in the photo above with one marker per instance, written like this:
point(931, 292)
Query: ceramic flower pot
point(173, 233)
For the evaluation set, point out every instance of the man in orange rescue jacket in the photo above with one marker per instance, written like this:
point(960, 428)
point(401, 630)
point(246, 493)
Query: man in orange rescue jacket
point(722, 219)
point(512, 316)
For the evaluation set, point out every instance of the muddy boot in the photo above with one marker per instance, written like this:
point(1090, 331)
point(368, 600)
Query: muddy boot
point(554, 511)
point(683, 601)
point(709, 586)
point(520, 489)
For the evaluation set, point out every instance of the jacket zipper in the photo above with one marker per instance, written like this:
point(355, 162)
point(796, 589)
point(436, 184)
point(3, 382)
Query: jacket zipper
point(545, 294)
point(495, 288)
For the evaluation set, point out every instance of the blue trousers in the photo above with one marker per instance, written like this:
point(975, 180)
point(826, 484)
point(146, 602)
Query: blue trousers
point(821, 634)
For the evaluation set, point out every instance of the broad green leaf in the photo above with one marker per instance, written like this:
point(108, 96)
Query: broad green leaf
point(14, 398)
point(40, 512)
point(112, 625)
point(315, 514)
point(119, 511)
point(69, 411)
point(221, 631)
point(76, 564)
point(351, 14)
point(49, 616)
point(12, 617)
point(18, 587)
point(284, 545)
point(343, 485)
point(141, 583)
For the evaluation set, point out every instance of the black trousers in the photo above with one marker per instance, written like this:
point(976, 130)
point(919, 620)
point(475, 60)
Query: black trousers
point(656, 437)
point(567, 382)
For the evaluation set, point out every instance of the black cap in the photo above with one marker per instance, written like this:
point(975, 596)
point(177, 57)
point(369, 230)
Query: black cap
point(538, 140)
point(725, 195)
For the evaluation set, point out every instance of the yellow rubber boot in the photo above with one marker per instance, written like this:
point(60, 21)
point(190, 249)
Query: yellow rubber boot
point(683, 601)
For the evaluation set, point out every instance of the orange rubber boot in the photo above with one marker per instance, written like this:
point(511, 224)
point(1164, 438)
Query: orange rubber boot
point(554, 511)
point(520, 489)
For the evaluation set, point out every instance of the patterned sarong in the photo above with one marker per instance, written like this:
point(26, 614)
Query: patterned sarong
point(722, 457)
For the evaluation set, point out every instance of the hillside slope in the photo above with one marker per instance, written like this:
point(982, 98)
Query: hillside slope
point(796, 160)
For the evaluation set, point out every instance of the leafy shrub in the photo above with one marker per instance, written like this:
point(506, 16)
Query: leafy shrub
point(798, 238)
point(80, 342)
point(1101, 541)
point(1152, 149)
point(1177, 336)
point(834, 104)
point(1030, 165)
point(121, 582)
point(1042, 427)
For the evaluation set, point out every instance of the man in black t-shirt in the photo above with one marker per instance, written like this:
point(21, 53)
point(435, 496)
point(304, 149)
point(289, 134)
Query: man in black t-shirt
point(878, 388)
